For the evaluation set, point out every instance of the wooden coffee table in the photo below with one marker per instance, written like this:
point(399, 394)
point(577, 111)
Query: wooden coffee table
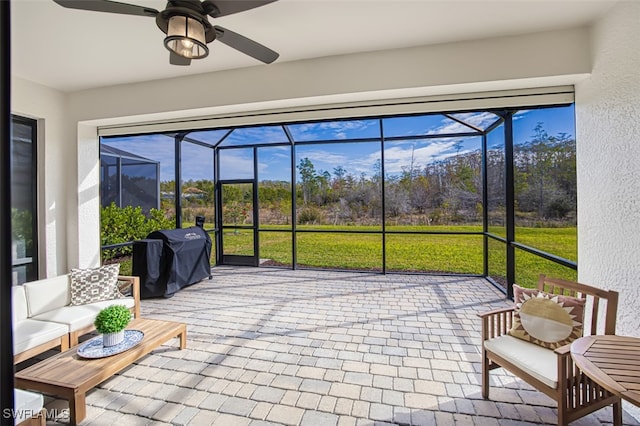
point(69, 376)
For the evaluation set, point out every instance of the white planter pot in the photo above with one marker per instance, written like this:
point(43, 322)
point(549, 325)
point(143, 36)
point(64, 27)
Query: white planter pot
point(112, 339)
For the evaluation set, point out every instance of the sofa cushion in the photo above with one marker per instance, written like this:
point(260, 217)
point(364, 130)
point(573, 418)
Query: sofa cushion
point(81, 316)
point(30, 333)
point(548, 320)
point(540, 362)
point(47, 294)
point(94, 284)
point(19, 303)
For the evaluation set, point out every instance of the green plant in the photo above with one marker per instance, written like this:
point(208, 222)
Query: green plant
point(21, 228)
point(112, 319)
point(121, 225)
point(310, 215)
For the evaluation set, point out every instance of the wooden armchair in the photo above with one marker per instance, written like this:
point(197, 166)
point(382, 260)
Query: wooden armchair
point(553, 371)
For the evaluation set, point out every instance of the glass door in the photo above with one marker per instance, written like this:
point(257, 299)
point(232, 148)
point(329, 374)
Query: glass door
point(238, 231)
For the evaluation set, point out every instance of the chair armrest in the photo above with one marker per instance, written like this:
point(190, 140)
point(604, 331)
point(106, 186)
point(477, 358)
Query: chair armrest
point(134, 283)
point(496, 312)
point(568, 373)
point(496, 322)
point(563, 350)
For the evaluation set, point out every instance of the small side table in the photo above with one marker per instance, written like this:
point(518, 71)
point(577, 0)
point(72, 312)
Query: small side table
point(612, 361)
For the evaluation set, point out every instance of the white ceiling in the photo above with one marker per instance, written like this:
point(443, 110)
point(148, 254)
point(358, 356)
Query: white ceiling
point(73, 50)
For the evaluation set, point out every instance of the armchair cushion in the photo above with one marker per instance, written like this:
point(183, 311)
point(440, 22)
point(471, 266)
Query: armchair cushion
point(95, 284)
point(539, 362)
point(548, 320)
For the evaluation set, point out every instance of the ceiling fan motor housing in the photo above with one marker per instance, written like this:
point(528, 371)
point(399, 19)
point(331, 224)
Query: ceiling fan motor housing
point(188, 8)
point(210, 8)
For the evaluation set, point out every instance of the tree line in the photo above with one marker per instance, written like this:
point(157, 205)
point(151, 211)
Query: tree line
point(442, 192)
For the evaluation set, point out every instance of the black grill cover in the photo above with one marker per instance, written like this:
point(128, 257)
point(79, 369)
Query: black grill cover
point(167, 261)
point(147, 258)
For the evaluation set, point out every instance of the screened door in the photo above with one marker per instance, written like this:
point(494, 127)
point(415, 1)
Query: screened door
point(238, 231)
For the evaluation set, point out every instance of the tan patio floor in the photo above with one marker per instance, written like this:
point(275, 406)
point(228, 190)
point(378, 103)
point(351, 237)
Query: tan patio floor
point(272, 346)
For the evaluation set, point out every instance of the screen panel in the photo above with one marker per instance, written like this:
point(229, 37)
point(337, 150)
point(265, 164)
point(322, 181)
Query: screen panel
point(434, 253)
point(339, 251)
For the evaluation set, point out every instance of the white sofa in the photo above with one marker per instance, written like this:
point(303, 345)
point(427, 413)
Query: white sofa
point(43, 318)
point(28, 409)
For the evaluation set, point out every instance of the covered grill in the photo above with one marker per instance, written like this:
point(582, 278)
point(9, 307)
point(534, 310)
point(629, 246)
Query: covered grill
point(169, 260)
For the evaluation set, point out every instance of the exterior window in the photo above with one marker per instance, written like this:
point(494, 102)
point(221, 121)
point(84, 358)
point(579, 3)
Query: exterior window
point(24, 231)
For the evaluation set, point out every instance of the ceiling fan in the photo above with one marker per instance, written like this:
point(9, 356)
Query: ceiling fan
point(186, 24)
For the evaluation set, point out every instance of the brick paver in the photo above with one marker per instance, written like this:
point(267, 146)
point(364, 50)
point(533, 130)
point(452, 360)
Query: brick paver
point(272, 346)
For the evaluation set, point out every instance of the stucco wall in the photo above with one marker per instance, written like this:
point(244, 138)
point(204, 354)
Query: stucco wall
point(56, 164)
point(608, 152)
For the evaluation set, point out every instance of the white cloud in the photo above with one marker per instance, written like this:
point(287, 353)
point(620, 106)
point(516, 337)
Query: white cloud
point(235, 165)
point(359, 165)
point(210, 137)
point(399, 156)
point(197, 162)
point(274, 163)
point(330, 130)
point(448, 127)
point(322, 157)
point(520, 114)
point(278, 152)
point(251, 135)
point(478, 119)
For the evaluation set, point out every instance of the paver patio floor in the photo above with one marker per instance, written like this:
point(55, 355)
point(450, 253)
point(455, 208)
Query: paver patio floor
point(272, 346)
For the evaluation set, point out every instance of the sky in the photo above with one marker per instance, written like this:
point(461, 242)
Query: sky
point(274, 162)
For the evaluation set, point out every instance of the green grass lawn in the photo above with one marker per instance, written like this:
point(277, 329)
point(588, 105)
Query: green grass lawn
point(434, 253)
point(413, 253)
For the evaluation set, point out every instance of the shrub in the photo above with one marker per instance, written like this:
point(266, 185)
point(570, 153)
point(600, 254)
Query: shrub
point(310, 215)
point(559, 208)
point(21, 226)
point(112, 319)
point(124, 224)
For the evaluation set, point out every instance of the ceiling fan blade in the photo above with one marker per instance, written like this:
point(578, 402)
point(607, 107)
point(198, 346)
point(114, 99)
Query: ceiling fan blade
point(108, 6)
point(175, 59)
point(229, 7)
point(245, 45)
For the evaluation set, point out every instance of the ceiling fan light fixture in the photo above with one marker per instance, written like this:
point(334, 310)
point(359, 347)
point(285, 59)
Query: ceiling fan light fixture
point(186, 37)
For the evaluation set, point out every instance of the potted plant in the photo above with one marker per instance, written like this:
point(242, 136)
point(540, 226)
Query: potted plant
point(111, 322)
